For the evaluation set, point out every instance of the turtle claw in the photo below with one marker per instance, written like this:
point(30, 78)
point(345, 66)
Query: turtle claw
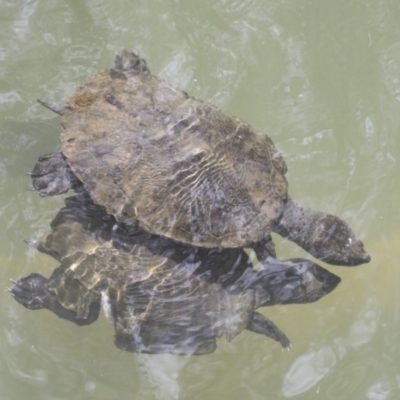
point(287, 348)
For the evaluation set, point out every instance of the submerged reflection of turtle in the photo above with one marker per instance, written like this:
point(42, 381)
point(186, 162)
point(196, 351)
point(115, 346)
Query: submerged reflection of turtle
point(182, 169)
point(162, 296)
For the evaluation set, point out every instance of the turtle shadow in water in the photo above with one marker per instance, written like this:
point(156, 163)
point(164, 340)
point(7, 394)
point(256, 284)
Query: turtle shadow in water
point(161, 296)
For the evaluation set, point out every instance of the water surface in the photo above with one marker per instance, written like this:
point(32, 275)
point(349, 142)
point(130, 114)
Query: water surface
point(323, 80)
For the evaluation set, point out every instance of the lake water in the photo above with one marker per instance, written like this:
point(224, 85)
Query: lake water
point(322, 79)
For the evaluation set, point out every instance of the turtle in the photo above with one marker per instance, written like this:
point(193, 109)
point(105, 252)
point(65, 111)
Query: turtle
point(162, 296)
point(181, 168)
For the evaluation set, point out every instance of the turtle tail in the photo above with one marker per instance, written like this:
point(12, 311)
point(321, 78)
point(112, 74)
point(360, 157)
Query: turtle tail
point(59, 109)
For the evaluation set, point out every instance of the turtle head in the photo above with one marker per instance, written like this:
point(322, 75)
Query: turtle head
point(294, 281)
point(325, 236)
point(306, 282)
point(334, 242)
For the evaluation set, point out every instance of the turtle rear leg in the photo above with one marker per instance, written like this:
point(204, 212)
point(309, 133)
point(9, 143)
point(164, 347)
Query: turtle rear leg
point(52, 175)
point(32, 292)
point(263, 326)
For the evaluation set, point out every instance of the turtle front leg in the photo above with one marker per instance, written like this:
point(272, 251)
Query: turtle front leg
point(32, 292)
point(264, 250)
point(325, 236)
point(52, 175)
point(263, 326)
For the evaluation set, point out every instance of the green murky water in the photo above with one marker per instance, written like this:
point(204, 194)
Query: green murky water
point(323, 80)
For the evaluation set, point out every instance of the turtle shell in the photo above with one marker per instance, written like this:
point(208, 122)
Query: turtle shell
point(180, 167)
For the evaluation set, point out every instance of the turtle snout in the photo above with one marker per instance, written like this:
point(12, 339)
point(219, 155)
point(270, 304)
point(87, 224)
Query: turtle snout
point(356, 253)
